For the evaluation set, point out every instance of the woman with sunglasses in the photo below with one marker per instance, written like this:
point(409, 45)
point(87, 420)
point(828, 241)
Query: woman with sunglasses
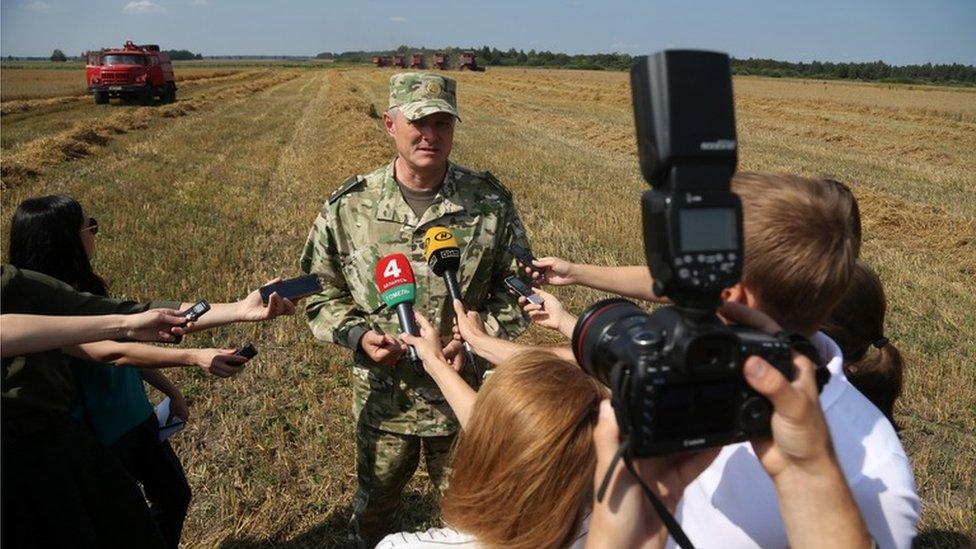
point(52, 235)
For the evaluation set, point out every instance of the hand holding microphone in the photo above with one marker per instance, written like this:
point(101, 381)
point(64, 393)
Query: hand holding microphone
point(381, 348)
point(395, 281)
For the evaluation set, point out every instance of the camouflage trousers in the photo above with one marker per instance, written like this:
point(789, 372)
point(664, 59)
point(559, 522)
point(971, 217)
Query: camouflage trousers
point(385, 462)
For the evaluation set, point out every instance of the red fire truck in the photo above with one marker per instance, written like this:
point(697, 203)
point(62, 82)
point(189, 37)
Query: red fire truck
point(134, 72)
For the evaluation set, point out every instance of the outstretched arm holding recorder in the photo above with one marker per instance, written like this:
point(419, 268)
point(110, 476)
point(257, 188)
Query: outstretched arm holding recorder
point(217, 362)
point(551, 314)
point(493, 349)
point(251, 308)
point(24, 333)
point(629, 281)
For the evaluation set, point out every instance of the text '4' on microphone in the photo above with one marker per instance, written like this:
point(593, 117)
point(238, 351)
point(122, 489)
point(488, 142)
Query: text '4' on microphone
point(397, 287)
point(443, 256)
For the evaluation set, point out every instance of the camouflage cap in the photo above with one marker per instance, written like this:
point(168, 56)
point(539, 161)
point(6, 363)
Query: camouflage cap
point(419, 94)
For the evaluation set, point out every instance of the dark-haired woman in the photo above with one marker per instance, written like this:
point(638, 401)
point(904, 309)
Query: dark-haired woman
point(53, 236)
point(871, 362)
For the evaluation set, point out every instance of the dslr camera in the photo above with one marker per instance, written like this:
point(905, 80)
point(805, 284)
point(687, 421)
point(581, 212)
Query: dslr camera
point(676, 374)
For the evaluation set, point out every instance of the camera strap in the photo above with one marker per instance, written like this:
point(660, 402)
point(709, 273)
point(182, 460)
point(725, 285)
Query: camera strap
point(662, 511)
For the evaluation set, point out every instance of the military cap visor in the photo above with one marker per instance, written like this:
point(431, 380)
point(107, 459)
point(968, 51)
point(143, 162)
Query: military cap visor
point(419, 109)
point(417, 95)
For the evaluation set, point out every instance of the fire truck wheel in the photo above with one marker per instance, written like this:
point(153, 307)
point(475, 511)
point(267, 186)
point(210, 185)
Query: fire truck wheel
point(101, 98)
point(146, 96)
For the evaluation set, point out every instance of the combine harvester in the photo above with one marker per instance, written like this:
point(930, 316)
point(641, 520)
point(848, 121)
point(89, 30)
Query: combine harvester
point(440, 60)
point(468, 63)
point(132, 72)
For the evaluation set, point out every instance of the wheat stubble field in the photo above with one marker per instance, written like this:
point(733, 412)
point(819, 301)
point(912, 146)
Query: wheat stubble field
point(214, 194)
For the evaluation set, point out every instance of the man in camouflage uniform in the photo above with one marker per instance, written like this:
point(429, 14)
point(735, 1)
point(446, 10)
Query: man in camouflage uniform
point(399, 410)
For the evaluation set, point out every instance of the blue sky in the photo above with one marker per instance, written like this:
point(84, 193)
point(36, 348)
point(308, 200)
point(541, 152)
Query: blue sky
point(896, 31)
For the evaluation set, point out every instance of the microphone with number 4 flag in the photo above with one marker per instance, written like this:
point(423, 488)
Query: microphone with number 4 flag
point(395, 281)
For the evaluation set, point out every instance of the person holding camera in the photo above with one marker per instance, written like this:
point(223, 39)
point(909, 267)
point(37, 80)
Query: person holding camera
point(797, 281)
point(783, 244)
point(816, 504)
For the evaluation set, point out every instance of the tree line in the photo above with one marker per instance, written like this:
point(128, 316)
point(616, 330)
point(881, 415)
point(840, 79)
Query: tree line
point(183, 55)
point(954, 74)
point(495, 57)
point(58, 56)
point(951, 74)
point(878, 70)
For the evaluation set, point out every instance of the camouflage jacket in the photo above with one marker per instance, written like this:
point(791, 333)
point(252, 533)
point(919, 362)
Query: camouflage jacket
point(366, 219)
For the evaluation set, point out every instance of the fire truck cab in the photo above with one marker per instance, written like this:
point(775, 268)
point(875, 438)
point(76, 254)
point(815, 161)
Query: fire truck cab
point(134, 72)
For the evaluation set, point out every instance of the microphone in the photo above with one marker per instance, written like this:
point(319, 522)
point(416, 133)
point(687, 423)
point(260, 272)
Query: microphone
point(443, 256)
point(395, 281)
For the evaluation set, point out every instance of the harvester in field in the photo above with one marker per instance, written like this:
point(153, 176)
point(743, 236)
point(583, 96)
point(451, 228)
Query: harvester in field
point(417, 61)
point(440, 60)
point(131, 72)
point(398, 61)
point(468, 63)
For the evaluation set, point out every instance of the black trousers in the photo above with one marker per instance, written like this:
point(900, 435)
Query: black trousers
point(64, 488)
point(156, 467)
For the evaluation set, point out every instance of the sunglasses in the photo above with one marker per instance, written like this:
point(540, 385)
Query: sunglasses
point(92, 226)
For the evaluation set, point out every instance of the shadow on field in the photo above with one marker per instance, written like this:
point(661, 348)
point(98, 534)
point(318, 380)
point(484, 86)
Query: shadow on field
point(943, 539)
point(331, 532)
point(418, 512)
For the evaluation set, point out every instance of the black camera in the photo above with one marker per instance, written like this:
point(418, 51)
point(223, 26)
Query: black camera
point(676, 374)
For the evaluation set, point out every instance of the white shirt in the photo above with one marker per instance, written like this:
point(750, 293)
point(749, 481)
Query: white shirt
point(733, 503)
point(444, 538)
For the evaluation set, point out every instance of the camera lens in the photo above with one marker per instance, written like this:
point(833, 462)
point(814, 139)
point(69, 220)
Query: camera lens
point(595, 331)
point(647, 339)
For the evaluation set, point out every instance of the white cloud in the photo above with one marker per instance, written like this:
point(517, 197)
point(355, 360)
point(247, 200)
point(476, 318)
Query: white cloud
point(142, 6)
point(42, 7)
point(398, 19)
